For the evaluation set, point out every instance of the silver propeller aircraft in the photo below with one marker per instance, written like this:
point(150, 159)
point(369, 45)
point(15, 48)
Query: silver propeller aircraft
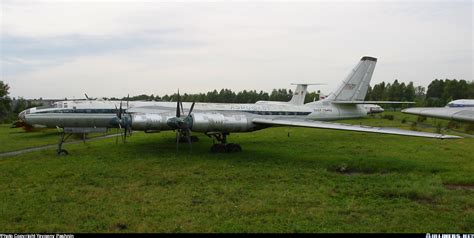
point(218, 120)
point(458, 110)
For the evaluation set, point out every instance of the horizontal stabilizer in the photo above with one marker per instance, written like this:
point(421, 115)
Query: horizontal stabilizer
point(349, 127)
point(371, 102)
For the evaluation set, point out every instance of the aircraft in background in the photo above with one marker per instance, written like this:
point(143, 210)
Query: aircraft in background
point(373, 108)
point(458, 110)
point(218, 120)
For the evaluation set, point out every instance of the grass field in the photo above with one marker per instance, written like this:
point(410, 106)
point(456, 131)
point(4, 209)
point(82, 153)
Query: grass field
point(312, 181)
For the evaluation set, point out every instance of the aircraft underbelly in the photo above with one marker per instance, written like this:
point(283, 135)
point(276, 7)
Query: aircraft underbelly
point(70, 120)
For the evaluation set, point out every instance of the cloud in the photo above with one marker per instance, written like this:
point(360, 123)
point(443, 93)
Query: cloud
point(24, 54)
point(113, 48)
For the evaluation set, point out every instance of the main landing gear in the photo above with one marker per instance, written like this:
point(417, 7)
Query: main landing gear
point(223, 147)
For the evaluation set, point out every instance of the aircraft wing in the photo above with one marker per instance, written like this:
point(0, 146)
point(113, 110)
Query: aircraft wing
point(457, 113)
point(348, 127)
point(371, 102)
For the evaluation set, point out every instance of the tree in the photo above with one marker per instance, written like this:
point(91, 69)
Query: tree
point(21, 104)
point(395, 91)
point(5, 102)
point(311, 96)
point(378, 92)
point(434, 94)
point(420, 92)
point(409, 93)
point(470, 90)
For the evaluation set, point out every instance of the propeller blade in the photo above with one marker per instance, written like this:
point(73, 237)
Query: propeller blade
point(191, 109)
point(121, 131)
point(188, 136)
point(116, 137)
point(178, 111)
point(177, 140)
point(128, 98)
point(120, 115)
point(125, 135)
point(129, 128)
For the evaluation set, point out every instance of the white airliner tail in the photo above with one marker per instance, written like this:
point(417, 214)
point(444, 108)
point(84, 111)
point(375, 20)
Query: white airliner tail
point(300, 93)
point(356, 84)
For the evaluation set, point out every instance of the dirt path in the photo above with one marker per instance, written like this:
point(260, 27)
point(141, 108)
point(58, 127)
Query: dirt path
point(43, 147)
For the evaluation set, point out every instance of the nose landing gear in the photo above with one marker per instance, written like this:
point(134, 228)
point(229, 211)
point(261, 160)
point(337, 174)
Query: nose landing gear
point(60, 151)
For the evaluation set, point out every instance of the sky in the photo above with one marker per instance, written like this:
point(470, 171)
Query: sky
point(106, 48)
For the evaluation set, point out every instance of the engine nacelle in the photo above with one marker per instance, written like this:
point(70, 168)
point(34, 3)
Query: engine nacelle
point(143, 122)
point(206, 122)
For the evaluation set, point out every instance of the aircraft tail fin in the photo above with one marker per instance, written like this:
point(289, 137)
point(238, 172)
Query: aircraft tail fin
point(300, 93)
point(356, 84)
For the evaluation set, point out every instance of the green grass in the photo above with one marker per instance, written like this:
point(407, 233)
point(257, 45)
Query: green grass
point(12, 139)
point(313, 181)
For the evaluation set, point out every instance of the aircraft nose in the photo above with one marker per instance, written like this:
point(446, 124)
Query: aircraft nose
point(22, 114)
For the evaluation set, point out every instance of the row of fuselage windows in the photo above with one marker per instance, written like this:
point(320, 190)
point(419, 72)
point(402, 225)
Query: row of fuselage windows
point(279, 113)
point(94, 111)
point(460, 105)
point(114, 111)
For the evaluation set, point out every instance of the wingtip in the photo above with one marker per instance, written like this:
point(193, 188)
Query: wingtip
point(450, 137)
point(370, 58)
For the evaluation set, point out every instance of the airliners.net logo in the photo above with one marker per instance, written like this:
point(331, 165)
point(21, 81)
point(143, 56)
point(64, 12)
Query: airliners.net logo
point(449, 235)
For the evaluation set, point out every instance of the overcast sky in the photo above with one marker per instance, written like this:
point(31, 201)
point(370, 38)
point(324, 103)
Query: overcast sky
point(57, 49)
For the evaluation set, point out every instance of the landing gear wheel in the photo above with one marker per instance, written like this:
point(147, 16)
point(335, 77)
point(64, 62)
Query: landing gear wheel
point(63, 152)
point(233, 148)
point(218, 148)
point(223, 147)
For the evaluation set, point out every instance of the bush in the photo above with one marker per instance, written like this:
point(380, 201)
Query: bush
point(453, 125)
point(421, 119)
point(469, 128)
point(438, 127)
point(388, 117)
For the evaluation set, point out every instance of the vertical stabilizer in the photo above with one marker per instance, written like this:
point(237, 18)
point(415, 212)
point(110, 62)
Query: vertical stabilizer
point(299, 94)
point(356, 84)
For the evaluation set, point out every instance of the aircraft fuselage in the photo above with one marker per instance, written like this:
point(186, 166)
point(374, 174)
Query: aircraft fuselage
point(153, 115)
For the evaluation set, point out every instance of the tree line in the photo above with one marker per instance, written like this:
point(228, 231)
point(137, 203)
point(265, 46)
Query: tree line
point(224, 96)
point(438, 93)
